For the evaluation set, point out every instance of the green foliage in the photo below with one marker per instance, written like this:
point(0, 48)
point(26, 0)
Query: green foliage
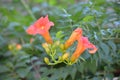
point(99, 20)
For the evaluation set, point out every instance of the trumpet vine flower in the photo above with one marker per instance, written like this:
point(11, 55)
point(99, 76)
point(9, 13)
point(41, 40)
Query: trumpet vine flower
point(83, 44)
point(41, 26)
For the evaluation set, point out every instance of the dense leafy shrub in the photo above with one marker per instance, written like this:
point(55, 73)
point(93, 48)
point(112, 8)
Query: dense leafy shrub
point(22, 60)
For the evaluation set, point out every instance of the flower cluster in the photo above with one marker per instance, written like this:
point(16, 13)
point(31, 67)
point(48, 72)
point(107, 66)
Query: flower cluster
point(53, 48)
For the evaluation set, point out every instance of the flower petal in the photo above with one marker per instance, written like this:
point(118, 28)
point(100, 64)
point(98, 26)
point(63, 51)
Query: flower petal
point(49, 25)
point(31, 30)
point(91, 48)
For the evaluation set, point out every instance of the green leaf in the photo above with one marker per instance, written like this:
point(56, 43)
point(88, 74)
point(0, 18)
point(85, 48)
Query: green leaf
point(22, 72)
point(86, 55)
point(24, 57)
point(38, 1)
point(59, 34)
point(73, 71)
point(8, 77)
point(55, 76)
point(88, 18)
point(105, 48)
point(64, 73)
point(37, 63)
point(97, 78)
point(92, 66)
point(34, 58)
point(4, 68)
point(109, 76)
point(52, 2)
point(10, 64)
point(20, 64)
point(80, 67)
point(112, 45)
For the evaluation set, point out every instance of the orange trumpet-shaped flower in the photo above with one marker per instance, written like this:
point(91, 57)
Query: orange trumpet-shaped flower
point(41, 26)
point(74, 36)
point(83, 44)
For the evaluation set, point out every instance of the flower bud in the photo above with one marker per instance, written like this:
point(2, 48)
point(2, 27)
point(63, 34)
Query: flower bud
point(46, 60)
point(76, 34)
point(60, 58)
point(10, 47)
point(46, 47)
point(18, 46)
point(62, 46)
point(57, 43)
point(65, 56)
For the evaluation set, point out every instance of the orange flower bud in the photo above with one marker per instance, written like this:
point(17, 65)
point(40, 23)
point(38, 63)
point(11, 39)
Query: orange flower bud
point(77, 33)
point(18, 46)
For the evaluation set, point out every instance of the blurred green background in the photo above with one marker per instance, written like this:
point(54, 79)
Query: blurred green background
point(22, 60)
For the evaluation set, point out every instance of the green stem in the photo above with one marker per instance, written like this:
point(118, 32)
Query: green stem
point(52, 58)
point(82, 59)
point(54, 63)
point(28, 9)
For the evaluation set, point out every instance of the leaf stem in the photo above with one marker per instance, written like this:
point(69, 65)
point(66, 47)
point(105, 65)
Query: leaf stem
point(28, 9)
